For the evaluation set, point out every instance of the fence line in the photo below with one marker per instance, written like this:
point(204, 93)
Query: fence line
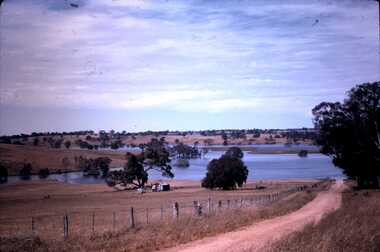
point(74, 224)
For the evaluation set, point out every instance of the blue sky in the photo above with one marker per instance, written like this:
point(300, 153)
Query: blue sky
point(155, 65)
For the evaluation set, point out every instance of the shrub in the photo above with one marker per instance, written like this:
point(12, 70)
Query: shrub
point(43, 173)
point(26, 172)
point(303, 153)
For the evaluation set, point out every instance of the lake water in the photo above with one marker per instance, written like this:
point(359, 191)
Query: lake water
point(260, 166)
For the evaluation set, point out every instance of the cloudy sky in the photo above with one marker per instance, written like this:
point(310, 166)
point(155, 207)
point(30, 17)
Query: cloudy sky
point(155, 65)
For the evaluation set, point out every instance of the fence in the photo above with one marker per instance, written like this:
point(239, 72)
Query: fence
point(88, 223)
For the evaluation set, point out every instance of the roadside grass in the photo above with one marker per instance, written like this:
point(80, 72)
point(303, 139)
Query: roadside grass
point(354, 227)
point(165, 234)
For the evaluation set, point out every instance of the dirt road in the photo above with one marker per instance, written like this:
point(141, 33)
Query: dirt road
point(256, 237)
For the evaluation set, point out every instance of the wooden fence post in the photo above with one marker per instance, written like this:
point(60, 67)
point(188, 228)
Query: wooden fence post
point(228, 204)
point(209, 206)
point(199, 208)
point(162, 213)
point(220, 205)
point(147, 216)
point(175, 211)
point(195, 205)
point(114, 221)
point(32, 225)
point(93, 222)
point(65, 226)
point(132, 216)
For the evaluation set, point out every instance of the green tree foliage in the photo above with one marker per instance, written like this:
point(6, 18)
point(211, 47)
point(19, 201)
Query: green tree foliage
point(95, 166)
point(226, 172)
point(184, 151)
point(26, 171)
point(35, 141)
point(303, 153)
point(135, 172)
point(182, 162)
point(225, 138)
point(349, 132)
point(43, 173)
point(234, 152)
point(67, 144)
point(3, 173)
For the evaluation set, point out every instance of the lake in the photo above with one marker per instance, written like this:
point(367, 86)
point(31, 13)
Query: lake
point(260, 166)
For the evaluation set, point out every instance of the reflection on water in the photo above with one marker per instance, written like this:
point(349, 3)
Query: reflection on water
point(261, 166)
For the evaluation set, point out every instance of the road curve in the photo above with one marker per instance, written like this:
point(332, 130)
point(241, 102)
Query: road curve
point(260, 234)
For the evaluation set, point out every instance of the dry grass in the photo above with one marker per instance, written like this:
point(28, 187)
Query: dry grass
point(354, 227)
point(14, 156)
point(161, 235)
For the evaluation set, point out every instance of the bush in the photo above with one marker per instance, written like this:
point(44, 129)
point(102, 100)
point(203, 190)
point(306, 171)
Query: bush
point(26, 172)
point(43, 173)
point(3, 174)
point(182, 162)
point(303, 153)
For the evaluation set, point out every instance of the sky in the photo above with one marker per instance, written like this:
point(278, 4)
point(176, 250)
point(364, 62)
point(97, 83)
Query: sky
point(139, 65)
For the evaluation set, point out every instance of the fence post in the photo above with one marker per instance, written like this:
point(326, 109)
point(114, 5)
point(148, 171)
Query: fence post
point(220, 205)
point(209, 206)
point(195, 205)
point(32, 225)
point(147, 216)
point(132, 216)
point(199, 209)
point(65, 226)
point(93, 222)
point(228, 204)
point(241, 202)
point(175, 211)
point(114, 221)
point(162, 213)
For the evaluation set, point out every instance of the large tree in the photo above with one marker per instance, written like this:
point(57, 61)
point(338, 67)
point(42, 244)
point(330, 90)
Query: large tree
point(135, 171)
point(349, 132)
point(227, 172)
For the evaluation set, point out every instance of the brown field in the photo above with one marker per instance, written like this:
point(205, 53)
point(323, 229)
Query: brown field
point(188, 139)
point(353, 227)
point(20, 201)
point(14, 156)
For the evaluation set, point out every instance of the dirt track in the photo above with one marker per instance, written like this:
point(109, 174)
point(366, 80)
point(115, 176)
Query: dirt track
point(261, 234)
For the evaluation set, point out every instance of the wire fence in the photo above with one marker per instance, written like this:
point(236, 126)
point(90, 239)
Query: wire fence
point(100, 221)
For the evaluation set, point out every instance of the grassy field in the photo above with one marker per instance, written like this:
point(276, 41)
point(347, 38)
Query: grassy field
point(354, 227)
point(82, 200)
point(14, 156)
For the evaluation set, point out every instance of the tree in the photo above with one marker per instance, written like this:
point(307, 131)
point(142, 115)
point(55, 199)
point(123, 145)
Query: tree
point(226, 172)
point(182, 162)
point(349, 132)
point(26, 171)
point(103, 164)
point(67, 144)
point(35, 141)
point(235, 152)
point(3, 174)
point(43, 173)
point(95, 166)
point(133, 173)
point(303, 153)
point(225, 138)
point(154, 157)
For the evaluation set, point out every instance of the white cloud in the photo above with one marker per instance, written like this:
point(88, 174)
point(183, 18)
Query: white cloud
point(177, 55)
